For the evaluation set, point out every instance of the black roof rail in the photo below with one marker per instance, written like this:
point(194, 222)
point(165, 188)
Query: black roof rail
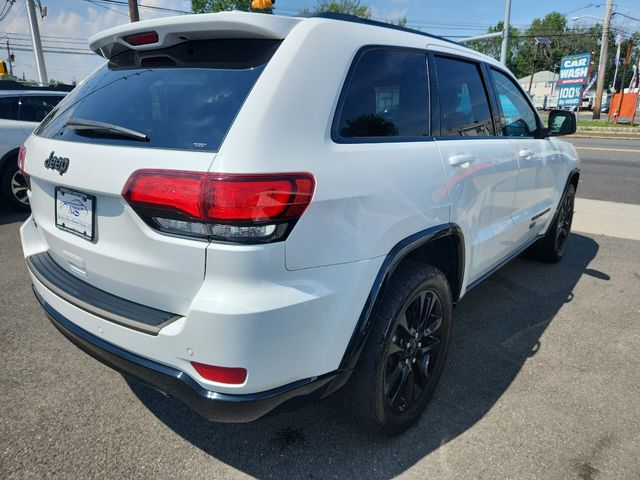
point(374, 23)
point(13, 85)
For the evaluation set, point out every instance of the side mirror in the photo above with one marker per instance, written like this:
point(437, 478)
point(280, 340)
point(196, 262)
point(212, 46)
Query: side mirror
point(562, 122)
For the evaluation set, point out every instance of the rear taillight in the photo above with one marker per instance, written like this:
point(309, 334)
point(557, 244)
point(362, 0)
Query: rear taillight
point(22, 154)
point(232, 376)
point(248, 208)
point(144, 38)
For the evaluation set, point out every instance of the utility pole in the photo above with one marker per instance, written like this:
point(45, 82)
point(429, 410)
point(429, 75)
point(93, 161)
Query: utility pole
point(10, 59)
point(505, 34)
point(602, 67)
point(37, 44)
point(134, 14)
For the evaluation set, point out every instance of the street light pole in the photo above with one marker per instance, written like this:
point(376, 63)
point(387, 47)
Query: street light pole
point(533, 65)
point(37, 44)
point(602, 66)
point(505, 34)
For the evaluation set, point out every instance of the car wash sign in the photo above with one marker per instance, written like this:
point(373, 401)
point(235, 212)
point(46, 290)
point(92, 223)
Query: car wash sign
point(574, 73)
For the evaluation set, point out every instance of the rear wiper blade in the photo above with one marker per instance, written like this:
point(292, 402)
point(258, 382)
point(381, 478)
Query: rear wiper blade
point(79, 124)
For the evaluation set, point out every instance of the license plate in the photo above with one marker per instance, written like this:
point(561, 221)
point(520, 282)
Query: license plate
point(75, 212)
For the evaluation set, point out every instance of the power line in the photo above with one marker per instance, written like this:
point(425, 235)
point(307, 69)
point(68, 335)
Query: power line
point(20, 49)
point(45, 36)
point(107, 8)
point(74, 49)
point(6, 9)
point(150, 7)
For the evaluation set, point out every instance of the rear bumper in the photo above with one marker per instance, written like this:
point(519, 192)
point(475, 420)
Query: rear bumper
point(211, 405)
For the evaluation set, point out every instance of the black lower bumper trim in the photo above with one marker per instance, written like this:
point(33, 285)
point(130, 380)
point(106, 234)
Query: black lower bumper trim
point(214, 406)
point(95, 301)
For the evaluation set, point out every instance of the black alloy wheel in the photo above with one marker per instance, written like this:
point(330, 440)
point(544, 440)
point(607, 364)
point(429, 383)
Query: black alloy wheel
point(553, 245)
point(13, 186)
point(413, 351)
point(404, 355)
point(565, 218)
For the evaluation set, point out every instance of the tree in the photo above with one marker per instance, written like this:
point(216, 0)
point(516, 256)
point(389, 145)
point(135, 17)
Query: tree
point(493, 46)
point(564, 41)
point(350, 7)
point(208, 6)
point(400, 22)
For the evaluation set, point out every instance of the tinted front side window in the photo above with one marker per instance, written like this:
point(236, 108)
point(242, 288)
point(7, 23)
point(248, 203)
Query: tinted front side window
point(9, 108)
point(464, 106)
point(34, 108)
point(387, 96)
point(183, 97)
point(518, 118)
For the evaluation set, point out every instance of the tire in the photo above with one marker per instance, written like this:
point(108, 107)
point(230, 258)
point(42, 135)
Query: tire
point(393, 354)
point(13, 186)
point(553, 246)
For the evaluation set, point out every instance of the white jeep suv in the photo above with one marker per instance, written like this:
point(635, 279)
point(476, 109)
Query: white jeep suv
point(246, 211)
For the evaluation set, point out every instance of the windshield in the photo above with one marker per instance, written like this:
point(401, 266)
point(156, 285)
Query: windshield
point(183, 97)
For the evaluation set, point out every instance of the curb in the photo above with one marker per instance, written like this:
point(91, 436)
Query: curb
point(609, 129)
point(605, 137)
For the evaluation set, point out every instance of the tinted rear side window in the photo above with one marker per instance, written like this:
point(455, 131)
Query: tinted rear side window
point(9, 108)
point(182, 97)
point(35, 108)
point(386, 96)
point(464, 105)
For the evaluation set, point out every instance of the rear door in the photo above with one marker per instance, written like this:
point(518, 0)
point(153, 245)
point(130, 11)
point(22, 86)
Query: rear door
point(9, 107)
point(538, 163)
point(179, 103)
point(481, 168)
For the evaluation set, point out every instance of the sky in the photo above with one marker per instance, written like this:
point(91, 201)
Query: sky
point(69, 23)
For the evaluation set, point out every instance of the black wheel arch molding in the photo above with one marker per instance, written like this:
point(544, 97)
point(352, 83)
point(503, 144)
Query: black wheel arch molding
point(401, 251)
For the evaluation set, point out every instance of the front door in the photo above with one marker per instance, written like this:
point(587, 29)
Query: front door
point(538, 163)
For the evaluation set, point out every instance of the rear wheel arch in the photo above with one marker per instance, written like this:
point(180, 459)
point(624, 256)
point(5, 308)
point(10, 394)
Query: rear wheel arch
point(574, 178)
point(7, 157)
point(435, 246)
point(13, 186)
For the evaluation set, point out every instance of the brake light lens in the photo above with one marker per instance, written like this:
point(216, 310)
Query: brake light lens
point(144, 38)
point(231, 376)
point(252, 198)
point(170, 190)
point(246, 208)
point(22, 155)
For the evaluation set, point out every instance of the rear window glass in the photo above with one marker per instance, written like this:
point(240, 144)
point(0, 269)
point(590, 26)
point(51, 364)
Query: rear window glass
point(182, 97)
point(387, 96)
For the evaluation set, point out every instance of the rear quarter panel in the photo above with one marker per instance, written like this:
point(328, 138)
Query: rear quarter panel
point(368, 196)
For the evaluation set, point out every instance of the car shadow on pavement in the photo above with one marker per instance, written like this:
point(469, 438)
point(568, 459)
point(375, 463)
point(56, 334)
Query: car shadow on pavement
point(497, 327)
point(8, 215)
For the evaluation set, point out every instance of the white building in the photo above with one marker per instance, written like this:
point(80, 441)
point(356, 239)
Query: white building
point(544, 83)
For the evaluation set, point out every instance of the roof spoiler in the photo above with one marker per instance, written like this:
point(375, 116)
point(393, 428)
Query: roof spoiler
point(169, 31)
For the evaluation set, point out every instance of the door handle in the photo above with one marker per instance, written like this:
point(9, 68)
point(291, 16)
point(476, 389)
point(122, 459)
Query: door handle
point(525, 154)
point(461, 159)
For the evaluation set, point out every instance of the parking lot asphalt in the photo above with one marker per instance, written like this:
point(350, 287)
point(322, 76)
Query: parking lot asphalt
point(542, 381)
